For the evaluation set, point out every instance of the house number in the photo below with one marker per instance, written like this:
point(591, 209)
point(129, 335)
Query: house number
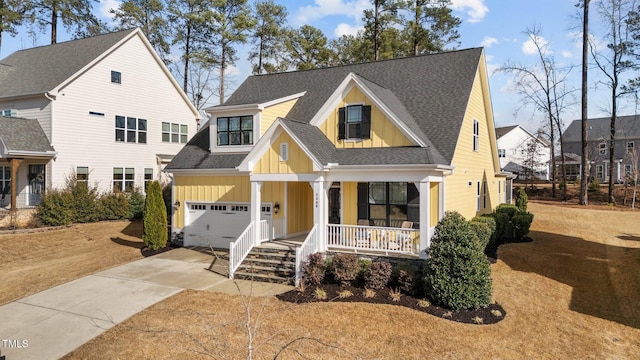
point(316, 199)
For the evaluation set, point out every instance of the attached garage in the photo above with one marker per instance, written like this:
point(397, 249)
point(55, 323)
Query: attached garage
point(218, 224)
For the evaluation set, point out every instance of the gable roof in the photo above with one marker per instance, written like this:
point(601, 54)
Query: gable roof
point(627, 127)
point(502, 131)
point(24, 136)
point(41, 69)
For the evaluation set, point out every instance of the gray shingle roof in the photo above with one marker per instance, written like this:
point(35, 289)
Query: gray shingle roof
point(20, 134)
point(502, 131)
point(428, 93)
point(627, 127)
point(41, 69)
point(195, 155)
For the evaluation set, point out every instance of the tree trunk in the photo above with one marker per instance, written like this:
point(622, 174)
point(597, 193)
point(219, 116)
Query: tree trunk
point(376, 34)
point(612, 145)
point(585, 127)
point(187, 55)
point(223, 64)
point(54, 22)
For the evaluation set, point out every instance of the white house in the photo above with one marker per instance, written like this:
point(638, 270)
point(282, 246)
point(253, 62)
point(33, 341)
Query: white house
point(517, 148)
point(105, 108)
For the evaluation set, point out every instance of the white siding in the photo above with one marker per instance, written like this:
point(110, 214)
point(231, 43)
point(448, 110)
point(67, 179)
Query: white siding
point(515, 142)
point(32, 108)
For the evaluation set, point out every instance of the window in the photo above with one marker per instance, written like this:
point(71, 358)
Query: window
point(627, 171)
point(502, 153)
point(630, 145)
point(132, 129)
point(600, 171)
point(5, 180)
point(82, 174)
point(354, 122)
point(602, 148)
point(235, 130)
point(148, 178)
point(478, 196)
point(484, 194)
point(284, 151)
point(174, 133)
point(9, 112)
point(116, 77)
point(476, 135)
point(388, 203)
point(499, 192)
point(123, 179)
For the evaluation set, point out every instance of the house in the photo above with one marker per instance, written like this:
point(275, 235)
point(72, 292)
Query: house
point(626, 152)
point(105, 109)
point(364, 157)
point(523, 153)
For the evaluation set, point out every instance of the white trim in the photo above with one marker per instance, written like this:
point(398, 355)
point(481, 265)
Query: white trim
point(205, 172)
point(286, 177)
point(255, 106)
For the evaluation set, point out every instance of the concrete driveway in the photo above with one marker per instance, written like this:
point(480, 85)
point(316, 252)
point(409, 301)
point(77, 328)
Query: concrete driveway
point(52, 323)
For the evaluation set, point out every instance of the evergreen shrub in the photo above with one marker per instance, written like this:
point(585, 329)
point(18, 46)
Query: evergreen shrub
point(155, 218)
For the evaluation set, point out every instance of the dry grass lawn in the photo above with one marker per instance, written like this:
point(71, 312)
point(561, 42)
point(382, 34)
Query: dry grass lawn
point(572, 293)
point(32, 262)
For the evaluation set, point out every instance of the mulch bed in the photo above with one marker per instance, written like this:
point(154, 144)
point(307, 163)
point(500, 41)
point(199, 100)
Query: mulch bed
point(146, 252)
point(487, 315)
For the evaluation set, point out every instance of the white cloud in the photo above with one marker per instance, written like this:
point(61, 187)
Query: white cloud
point(475, 9)
point(105, 6)
point(529, 46)
point(323, 8)
point(566, 54)
point(488, 41)
point(489, 58)
point(346, 29)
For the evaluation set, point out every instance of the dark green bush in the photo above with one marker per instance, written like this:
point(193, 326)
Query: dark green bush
point(377, 275)
point(490, 221)
point(483, 233)
point(521, 224)
point(457, 273)
point(313, 270)
point(155, 218)
point(113, 206)
point(55, 208)
point(136, 205)
point(84, 206)
point(345, 268)
point(521, 200)
point(594, 185)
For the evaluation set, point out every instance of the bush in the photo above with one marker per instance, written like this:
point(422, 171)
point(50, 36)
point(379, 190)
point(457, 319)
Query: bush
point(136, 205)
point(521, 224)
point(345, 268)
point(155, 218)
point(594, 185)
point(84, 205)
point(483, 233)
point(521, 200)
point(457, 273)
point(113, 206)
point(313, 270)
point(491, 224)
point(55, 208)
point(378, 275)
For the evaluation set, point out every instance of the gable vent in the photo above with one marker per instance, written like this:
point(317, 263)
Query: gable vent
point(284, 151)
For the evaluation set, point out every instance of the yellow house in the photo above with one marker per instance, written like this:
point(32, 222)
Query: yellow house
point(357, 157)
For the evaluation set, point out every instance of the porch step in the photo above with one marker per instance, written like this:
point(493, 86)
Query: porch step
point(269, 265)
point(263, 278)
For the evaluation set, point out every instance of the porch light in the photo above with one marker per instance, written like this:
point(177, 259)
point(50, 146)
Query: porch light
point(276, 207)
point(176, 204)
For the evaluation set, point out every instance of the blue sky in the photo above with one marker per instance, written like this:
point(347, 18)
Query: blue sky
point(497, 25)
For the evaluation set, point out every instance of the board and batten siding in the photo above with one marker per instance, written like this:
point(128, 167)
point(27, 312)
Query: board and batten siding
point(271, 113)
point(299, 207)
point(349, 203)
point(383, 132)
point(84, 139)
point(297, 163)
point(473, 166)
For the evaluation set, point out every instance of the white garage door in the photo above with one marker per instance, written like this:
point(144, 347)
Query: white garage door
point(218, 224)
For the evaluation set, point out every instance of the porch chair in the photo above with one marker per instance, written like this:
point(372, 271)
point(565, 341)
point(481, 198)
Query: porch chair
point(402, 241)
point(362, 237)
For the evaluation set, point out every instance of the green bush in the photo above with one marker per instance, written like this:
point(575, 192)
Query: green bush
point(155, 218)
point(313, 270)
point(490, 221)
point(457, 273)
point(521, 224)
point(594, 185)
point(113, 206)
point(55, 208)
point(84, 205)
point(377, 275)
point(483, 233)
point(136, 205)
point(521, 200)
point(345, 268)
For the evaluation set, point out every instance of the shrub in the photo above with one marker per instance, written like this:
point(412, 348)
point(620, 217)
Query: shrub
point(345, 268)
point(483, 233)
point(55, 208)
point(490, 221)
point(457, 273)
point(378, 275)
point(521, 200)
point(136, 205)
point(113, 206)
point(594, 185)
point(506, 211)
point(313, 270)
point(319, 294)
point(521, 224)
point(405, 281)
point(84, 204)
point(155, 218)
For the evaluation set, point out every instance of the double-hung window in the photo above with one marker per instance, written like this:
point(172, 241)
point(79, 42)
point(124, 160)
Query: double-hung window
point(602, 148)
point(116, 77)
point(476, 135)
point(148, 178)
point(123, 179)
point(630, 147)
point(131, 130)
point(354, 122)
point(502, 153)
point(388, 203)
point(235, 130)
point(174, 133)
point(600, 171)
point(5, 180)
point(478, 196)
point(82, 174)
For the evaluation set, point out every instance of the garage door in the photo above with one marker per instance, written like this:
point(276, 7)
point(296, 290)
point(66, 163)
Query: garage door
point(218, 224)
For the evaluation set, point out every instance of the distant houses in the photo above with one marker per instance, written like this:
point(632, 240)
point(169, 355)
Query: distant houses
point(522, 153)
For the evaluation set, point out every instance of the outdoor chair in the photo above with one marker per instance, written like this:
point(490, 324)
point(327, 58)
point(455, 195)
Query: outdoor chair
point(402, 240)
point(362, 236)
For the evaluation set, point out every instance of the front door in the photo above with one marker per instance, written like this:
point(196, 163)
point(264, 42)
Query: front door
point(36, 183)
point(334, 205)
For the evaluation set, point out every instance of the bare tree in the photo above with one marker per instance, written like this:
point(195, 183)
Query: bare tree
point(584, 162)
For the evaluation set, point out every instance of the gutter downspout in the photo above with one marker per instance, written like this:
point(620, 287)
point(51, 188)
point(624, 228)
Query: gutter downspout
point(51, 98)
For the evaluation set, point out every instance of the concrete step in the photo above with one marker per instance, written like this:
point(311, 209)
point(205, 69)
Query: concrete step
point(246, 275)
point(271, 262)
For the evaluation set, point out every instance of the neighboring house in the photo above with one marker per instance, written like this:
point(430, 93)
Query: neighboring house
point(521, 152)
point(627, 141)
point(356, 157)
point(103, 108)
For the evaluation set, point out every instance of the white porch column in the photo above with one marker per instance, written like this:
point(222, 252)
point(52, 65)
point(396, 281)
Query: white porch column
point(425, 239)
point(320, 211)
point(256, 202)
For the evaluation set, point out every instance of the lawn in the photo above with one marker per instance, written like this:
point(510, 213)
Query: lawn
point(571, 293)
point(32, 262)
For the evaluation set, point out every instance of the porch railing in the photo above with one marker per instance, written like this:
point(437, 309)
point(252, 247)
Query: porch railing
point(239, 249)
point(373, 238)
point(308, 247)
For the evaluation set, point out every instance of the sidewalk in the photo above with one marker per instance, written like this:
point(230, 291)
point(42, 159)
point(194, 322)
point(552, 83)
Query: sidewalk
point(54, 322)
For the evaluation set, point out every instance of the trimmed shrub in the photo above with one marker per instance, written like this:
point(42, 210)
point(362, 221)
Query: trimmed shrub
point(136, 205)
point(155, 218)
point(521, 200)
point(506, 211)
point(594, 185)
point(313, 270)
point(457, 274)
point(55, 208)
point(84, 206)
point(378, 275)
point(521, 224)
point(345, 268)
point(405, 281)
point(483, 233)
point(491, 224)
point(113, 206)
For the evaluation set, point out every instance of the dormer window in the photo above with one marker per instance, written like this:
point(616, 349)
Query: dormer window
point(116, 77)
point(235, 130)
point(354, 122)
